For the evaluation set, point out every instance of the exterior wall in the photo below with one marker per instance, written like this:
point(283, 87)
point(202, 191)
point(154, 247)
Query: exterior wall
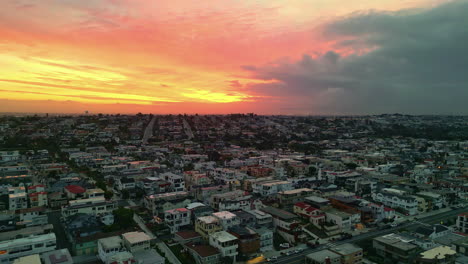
point(27, 246)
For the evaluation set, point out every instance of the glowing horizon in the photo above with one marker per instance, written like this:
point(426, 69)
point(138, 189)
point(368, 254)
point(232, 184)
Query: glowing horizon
point(122, 56)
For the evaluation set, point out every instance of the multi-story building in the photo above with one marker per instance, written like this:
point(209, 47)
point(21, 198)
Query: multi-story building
point(125, 183)
point(33, 244)
point(136, 241)
point(177, 181)
point(262, 218)
point(288, 198)
point(349, 253)
point(342, 219)
point(75, 192)
point(247, 239)
point(204, 194)
point(225, 243)
point(230, 201)
point(271, 187)
point(96, 206)
point(395, 247)
point(17, 198)
point(397, 199)
point(32, 216)
point(285, 223)
point(207, 225)
point(323, 257)
point(306, 211)
point(462, 222)
point(159, 203)
point(109, 246)
point(266, 238)
point(177, 218)
point(227, 219)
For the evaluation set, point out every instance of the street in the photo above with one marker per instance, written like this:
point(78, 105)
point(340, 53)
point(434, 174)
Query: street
point(299, 257)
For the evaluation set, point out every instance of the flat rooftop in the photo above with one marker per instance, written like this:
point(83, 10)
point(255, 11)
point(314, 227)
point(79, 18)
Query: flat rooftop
point(223, 236)
point(136, 237)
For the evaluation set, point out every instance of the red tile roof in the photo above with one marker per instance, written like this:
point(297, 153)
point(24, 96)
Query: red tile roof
point(76, 189)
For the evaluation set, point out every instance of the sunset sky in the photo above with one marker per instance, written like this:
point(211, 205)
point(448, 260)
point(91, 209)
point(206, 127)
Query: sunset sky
point(224, 56)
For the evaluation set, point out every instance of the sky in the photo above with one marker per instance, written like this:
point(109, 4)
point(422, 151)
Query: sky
point(306, 57)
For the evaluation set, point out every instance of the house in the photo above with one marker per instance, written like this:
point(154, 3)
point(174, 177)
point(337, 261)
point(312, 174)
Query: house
point(203, 254)
point(462, 222)
point(74, 192)
point(262, 218)
point(121, 257)
point(125, 183)
point(433, 232)
point(397, 199)
point(317, 202)
point(109, 246)
point(198, 209)
point(225, 243)
point(176, 218)
point(271, 187)
point(177, 182)
point(246, 218)
point(266, 238)
point(190, 236)
point(285, 223)
point(207, 225)
point(38, 199)
point(17, 198)
point(136, 241)
point(342, 219)
point(288, 198)
point(323, 257)
point(159, 203)
point(227, 219)
point(230, 201)
point(306, 211)
point(248, 240)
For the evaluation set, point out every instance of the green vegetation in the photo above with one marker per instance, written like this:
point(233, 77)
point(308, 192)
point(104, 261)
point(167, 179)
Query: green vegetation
point(123, 219)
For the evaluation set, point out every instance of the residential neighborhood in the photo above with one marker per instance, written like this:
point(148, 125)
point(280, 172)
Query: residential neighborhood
point(239, 188)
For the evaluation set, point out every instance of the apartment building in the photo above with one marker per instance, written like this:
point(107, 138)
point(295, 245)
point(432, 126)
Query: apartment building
point(96, 206)
point(349, 253)
point(397, 199)
point(176, 218)
point(33, 244)
point(323, 257)
point(395, 247)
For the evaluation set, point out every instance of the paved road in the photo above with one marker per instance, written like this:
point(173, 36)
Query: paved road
point(299, 258)
point(148, 131)
point(188, 129)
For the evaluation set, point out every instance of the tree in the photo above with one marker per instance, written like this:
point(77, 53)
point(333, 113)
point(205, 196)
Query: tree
point(125, 194)
point(108, 195)
point(123, 219)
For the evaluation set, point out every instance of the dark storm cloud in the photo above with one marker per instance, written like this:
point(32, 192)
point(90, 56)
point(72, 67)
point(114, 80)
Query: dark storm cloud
point(417, 63)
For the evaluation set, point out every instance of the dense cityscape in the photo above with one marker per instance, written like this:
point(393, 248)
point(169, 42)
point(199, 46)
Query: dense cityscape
point(238, 188)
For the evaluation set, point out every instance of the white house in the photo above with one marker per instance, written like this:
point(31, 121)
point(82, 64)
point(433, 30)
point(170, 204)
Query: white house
point(227, 219)
point(397, 199)
point(268, 188)
point(109, 246)
point(33, 244)
point(176, 218)
point(225, 243)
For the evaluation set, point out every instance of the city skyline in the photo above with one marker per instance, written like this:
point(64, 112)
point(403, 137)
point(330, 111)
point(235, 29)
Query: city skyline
point(268, 57)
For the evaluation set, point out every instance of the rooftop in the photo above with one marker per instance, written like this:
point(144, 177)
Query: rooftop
point(322, 255)
point(203, 250)
point(136, 237)
point(75, 189)
point(223, 236)
point(438, 253)
point(224, 215)
point(346, 249)
point(111, 242)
